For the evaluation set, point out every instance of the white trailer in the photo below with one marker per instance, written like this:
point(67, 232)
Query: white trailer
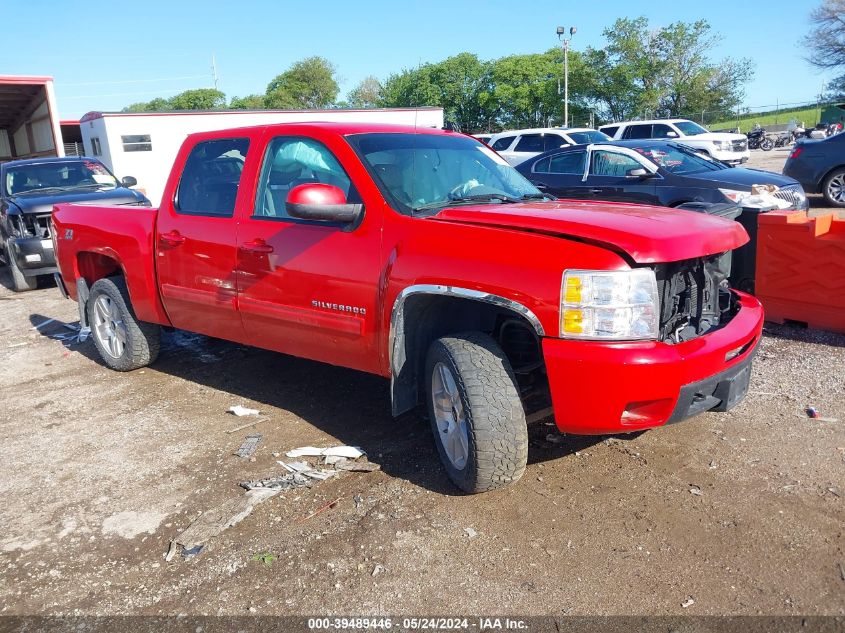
point(144, 144)
point(29, 120)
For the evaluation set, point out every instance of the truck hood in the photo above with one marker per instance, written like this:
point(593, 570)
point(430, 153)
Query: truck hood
point(646, 234)
point(33, 203)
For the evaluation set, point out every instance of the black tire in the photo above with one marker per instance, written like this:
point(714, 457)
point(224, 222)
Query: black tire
point(142, 339)
point(20, 282)
point(834, 180)
point(497, 432)
point(767, 144)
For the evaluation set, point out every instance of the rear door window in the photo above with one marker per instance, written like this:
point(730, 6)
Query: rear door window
point(211, 177)
point(553, 141)
point(569, 163)
point(638, 131)
point(530, 143)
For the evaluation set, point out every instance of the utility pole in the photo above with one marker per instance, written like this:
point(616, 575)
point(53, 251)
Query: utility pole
point(561, 34)
point(214, 71)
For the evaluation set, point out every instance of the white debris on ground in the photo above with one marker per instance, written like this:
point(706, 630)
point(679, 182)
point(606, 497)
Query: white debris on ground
point(350, 452)
point(240, 411)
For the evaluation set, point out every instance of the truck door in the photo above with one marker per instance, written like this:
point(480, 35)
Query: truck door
point(310, 288)
point(196, 236)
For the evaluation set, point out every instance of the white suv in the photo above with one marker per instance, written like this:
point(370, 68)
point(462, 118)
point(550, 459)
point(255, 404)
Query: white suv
point(729, 148)
point(517, 146)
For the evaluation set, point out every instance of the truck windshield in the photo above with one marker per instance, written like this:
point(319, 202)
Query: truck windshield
point(45, 177)
point(689, 128)
point(422, 173)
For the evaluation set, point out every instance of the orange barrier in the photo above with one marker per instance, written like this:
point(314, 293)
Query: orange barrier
point(801, 269)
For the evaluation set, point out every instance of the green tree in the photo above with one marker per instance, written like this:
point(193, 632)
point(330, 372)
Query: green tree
point(459, 84)
point(663, 72)
point(250, 102)
point(200, 99)
point(826, 41)
point(156, 105)
point(308, 84)
point(366, 94)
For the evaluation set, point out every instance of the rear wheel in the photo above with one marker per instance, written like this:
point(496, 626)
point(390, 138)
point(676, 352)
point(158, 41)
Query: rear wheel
point(476, 413)
point(124, 342)
point(834, 188)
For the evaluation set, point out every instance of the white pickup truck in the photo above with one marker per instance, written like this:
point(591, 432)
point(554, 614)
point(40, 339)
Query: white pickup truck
point(724, 146)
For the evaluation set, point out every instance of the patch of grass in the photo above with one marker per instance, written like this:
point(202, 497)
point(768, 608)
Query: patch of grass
point(810, 116)
point(265, 558)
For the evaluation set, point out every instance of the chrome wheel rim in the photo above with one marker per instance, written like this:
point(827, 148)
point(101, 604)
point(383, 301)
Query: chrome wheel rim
point(836, 188)
point(449, 416)
point(109, 326)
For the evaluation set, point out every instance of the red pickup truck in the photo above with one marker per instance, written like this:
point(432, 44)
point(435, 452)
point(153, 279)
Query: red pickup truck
point(421, 256)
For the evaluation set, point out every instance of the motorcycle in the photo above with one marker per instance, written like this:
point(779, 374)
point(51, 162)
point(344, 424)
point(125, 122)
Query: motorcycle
point(757, 139)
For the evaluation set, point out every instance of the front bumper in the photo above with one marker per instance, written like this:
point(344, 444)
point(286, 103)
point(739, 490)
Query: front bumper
point(601, 387)
point(735, 158)
point(33, 255)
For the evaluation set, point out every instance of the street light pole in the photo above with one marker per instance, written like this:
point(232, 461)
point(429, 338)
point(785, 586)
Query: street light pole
point(561, 33)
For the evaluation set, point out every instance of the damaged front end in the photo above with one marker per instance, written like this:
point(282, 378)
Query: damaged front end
point(695, 297)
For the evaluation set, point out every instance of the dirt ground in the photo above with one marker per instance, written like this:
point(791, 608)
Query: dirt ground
point(742, 513)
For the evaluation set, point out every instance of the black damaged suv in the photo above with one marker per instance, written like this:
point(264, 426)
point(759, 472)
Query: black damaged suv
point(29, 189)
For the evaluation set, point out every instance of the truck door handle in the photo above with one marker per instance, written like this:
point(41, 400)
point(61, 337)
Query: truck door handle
point(256, 246)
point(541, 186)
point(173, 238)
point(596, 190)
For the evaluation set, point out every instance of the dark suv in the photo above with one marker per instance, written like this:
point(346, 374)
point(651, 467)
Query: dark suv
point(819, 165)
point(29, 189)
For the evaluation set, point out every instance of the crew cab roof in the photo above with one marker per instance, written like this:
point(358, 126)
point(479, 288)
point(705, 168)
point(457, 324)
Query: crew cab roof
point(340, 128)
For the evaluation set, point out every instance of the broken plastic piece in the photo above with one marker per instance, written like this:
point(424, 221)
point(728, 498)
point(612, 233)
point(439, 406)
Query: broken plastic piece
point(240, 411)
point(249, 446)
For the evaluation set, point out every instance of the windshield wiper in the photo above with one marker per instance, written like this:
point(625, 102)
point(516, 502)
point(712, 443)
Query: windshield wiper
point(91, 185)
point(39, 190)
point(538, 196)
point(481, 197)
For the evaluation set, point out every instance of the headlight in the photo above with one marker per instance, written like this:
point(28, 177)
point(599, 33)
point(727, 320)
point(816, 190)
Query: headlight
point(613, 305)
point(722, 145)
point(760, 197)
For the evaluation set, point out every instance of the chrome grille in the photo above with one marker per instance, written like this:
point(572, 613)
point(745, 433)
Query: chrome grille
point(740, 145)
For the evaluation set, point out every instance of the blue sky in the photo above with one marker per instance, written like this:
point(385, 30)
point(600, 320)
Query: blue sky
point(105, 56)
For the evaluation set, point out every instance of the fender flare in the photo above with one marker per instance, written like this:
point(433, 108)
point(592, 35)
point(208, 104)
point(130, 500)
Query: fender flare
point(396, 337)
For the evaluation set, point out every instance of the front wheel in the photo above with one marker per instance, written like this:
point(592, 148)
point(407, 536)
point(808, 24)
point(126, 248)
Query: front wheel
point(476, 413)
point(767, 144)
point(834, 188)
point(124, 342)
point(20, 282)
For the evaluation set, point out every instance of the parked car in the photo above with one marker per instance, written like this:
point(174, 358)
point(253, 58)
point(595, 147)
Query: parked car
point(820, 167)
point(339, 257)
point(28, 190)
point(516, 146)
point(724, 146)
point(665, 173)
point(484, 138)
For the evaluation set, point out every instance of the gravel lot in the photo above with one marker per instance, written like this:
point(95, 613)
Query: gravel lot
point(742, 512)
